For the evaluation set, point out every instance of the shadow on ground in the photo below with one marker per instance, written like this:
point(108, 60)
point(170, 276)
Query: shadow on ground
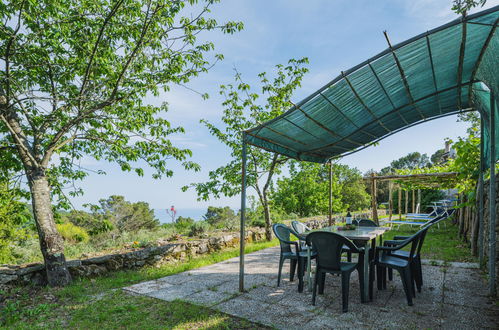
point(453, 297)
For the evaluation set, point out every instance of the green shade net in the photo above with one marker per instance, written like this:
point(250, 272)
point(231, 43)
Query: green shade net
point(442, 72)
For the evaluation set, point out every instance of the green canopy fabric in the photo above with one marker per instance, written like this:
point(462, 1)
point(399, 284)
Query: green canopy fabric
point(447, 70)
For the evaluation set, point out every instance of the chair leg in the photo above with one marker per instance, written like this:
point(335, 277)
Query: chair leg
point(316, 281)
point(371, 281)
point(322, 283)
point(379, 272)
point(360, 270)
point(345, 287)
point(292, 269)
point(405, 275)
point(349, 256)
point(415, 276)
point(301, 267)
point(383, 277)
point(420, 270)
point(390, 274)
point(281, 262)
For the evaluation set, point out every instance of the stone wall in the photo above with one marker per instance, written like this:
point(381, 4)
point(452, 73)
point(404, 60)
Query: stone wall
point(486, 227)
point(164, 252)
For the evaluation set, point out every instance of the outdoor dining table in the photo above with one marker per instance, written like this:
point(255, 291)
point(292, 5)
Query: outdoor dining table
point(361, 237)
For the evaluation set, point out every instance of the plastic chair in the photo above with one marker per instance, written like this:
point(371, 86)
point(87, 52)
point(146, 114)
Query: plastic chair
point(329, 248)
point(297, 257)
point(417, 268)
point(388, 260)
point(366, 223)
point(300, 228)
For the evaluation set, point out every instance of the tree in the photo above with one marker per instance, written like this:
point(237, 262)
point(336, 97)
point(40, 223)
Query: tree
point(72, 81)
point(306, 191)
point(438, 157)
point(220, 217)
point(125, 216)
point(353, 192)
point(463, 6)
point(243, 111)
point(93, 223)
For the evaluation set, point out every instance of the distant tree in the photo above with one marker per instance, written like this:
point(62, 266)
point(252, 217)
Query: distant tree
point(438, 157)
point(93, 223)
point(244, 110)
point(411, 161)
point(306, 191)
point(73, 76)
point(125, 216)
point(220, 217)
point(353, 193)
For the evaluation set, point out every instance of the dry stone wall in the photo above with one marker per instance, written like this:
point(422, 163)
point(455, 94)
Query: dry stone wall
point(163, 252)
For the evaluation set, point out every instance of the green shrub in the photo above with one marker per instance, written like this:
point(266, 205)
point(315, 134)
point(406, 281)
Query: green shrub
point(199, 228)
point(72, 233)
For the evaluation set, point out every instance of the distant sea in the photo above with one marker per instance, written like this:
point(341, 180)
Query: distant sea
point(196, 214)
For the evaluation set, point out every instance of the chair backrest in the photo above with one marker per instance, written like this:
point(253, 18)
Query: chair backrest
point(416, 242)
point(366, 223)
point(299, 227)
point(328, 247)
point(283, 234)
point(424, 230)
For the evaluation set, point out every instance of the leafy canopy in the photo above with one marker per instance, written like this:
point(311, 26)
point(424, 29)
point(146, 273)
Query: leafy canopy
point(306, 191)
point(244, 109)
point(75, 74)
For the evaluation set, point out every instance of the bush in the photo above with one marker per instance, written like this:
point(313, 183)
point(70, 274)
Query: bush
point(199, 228)
point(72, 233)
point(183, 224)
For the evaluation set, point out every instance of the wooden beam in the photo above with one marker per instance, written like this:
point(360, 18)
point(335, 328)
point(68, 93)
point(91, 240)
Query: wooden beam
point(413, 201)
point(406, 201)
point(403, 177)
point(400, 203)
point(390, 200)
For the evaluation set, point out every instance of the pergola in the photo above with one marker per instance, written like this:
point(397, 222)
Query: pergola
point(448, 70)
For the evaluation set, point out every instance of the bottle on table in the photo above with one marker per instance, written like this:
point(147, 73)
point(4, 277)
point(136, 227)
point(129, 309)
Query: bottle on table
point(349, 217)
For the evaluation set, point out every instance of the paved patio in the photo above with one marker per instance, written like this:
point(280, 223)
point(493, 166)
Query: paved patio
point(453, 297)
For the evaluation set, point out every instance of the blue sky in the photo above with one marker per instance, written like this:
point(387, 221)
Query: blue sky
point(334, 35)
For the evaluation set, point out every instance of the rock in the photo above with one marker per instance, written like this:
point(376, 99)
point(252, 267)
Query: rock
point(6, 278)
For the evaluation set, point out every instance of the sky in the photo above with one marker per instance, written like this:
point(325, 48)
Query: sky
point(334, 35)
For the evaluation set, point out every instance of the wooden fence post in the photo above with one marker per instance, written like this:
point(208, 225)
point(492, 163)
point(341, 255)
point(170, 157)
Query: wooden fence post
point(400, 203)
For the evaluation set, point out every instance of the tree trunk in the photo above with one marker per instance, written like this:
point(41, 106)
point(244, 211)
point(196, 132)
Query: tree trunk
point(51, 243)
point(268, 221)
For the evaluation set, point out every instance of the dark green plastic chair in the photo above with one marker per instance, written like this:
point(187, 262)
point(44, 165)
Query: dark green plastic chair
point(297, 258)
point(366, 223)
point(417, 271)
point(329, 248)
point(386, 259)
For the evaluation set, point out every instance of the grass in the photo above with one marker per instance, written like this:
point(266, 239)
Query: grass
point(100, 302)
point(440, 243)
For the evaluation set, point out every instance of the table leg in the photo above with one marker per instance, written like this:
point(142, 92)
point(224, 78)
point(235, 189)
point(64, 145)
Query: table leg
point(366, 273)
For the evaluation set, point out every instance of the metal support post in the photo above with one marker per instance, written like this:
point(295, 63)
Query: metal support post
point(243, 218)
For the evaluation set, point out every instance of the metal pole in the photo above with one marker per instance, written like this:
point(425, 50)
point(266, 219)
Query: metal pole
point(330, 193)
point(481, 247)
point(243, 218)
point(492, 200)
